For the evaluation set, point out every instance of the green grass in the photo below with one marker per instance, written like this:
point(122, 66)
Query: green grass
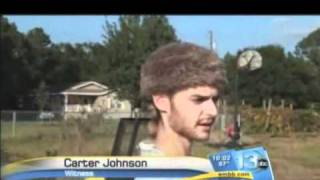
point(297, 155)
point(309, 156)
point(201, 149)
point(35, 139)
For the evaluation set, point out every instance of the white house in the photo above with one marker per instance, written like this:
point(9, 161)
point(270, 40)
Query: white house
point(89, 97)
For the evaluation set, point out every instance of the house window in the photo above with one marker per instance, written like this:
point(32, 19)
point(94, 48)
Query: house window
point(115, 104)
point(88, 100)
point(119, 105)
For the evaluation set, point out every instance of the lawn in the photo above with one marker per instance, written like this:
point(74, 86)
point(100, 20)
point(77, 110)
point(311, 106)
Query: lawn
point(34, 139)
point(296, 157)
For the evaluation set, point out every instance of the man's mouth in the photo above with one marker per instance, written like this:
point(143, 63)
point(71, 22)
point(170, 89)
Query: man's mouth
point(208, 122)
point(205, 124)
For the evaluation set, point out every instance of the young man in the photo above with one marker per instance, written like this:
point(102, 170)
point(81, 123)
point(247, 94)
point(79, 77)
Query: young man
point(182, 81)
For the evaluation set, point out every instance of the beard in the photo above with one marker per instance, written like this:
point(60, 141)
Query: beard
point(190, 130)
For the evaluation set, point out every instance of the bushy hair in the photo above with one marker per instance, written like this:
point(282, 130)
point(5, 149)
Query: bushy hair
point(178, 66)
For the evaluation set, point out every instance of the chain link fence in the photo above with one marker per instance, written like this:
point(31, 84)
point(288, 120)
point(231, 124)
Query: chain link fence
point(30, 134)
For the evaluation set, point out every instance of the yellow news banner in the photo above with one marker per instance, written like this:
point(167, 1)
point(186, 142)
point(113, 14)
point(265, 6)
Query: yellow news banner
point(221, 174)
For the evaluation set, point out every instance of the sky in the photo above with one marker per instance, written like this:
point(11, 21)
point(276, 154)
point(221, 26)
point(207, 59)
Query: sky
point(230, 33)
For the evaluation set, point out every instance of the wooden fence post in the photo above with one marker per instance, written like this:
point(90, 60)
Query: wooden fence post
point(282, 103)
point(264, 104)
point(243, 102)
point(269, 106)
point(14, 119)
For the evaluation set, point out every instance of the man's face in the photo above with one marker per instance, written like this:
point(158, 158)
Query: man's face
point(193, 111)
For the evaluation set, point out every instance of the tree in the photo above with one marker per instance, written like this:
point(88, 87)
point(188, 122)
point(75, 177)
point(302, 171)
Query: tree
point(127, 44)
point(281, 77)
point(38, 38)
point(42, 96)
point(309, 49)
point(15, 69)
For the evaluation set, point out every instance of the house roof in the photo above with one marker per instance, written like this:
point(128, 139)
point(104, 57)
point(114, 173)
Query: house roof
point(89, 88)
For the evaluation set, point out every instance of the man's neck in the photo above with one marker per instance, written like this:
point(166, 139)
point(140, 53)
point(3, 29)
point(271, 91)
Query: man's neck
point(171, 143)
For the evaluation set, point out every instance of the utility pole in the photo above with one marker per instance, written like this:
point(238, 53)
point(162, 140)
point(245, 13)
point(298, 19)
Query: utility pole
point(210, 40)
point(213, 44)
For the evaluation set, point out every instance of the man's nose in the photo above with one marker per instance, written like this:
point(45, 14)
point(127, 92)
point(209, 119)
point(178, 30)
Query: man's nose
point(210, 108)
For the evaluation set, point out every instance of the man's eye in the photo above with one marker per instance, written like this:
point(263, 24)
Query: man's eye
point(198, 101)
point(215, 99)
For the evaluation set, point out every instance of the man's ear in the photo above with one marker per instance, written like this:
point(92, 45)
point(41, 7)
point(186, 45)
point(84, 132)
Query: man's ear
point(162, 102)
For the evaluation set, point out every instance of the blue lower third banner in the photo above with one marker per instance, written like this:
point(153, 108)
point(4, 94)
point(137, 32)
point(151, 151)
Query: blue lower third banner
point(241, 164)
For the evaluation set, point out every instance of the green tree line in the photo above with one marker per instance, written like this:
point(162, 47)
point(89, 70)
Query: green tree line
point(31, 62)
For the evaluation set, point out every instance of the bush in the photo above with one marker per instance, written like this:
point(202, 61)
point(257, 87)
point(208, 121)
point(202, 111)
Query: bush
point(315, 107)
point(277, 122)
point(280, 121)
point(306, 121)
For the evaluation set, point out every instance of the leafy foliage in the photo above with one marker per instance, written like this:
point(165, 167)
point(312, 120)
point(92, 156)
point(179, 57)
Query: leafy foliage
point(32, 58)
point(127, 45)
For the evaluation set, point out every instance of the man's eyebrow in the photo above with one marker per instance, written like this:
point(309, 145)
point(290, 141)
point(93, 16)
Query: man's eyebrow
point(204, 96)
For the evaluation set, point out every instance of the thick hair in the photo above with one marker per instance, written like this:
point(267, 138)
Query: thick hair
point(177, 66)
